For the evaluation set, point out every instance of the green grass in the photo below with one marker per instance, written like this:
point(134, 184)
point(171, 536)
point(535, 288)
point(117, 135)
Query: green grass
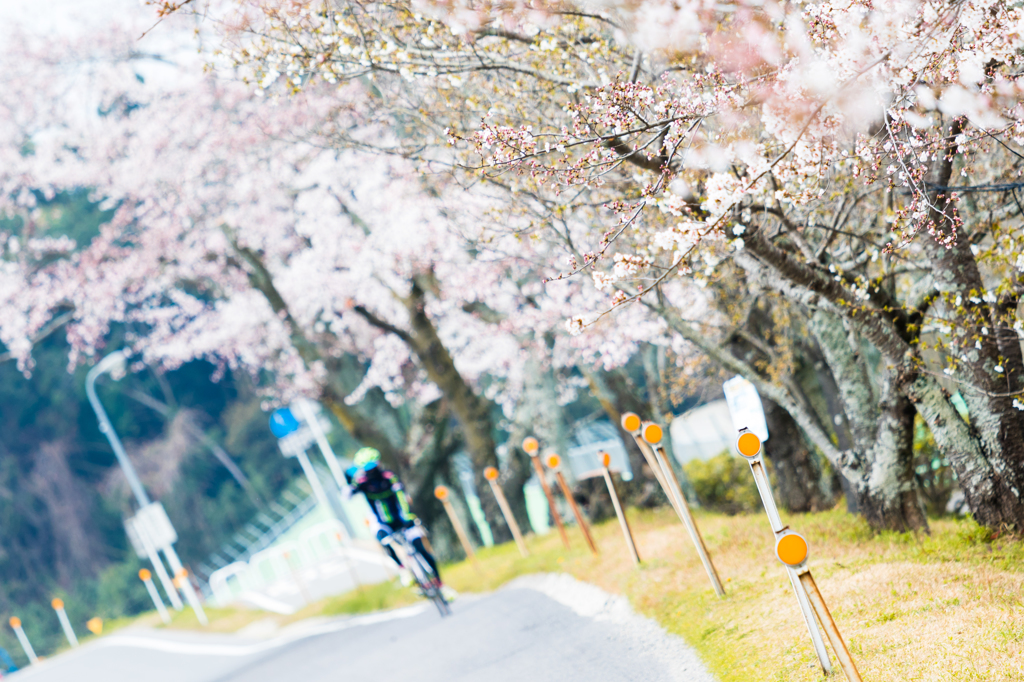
point(943, 607)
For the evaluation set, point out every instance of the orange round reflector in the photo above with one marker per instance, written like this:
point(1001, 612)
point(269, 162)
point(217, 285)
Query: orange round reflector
point(631, 422)
point(554, 461)
point(15, 622)
point(57, 604)
point(441, 492)
point(791, 549)
point(491, 474)
point(95, 625)
point(652, 433)
point(748, 444)
point(530, 445)
point(144, 574)
point(606, 459)
point(183, 572)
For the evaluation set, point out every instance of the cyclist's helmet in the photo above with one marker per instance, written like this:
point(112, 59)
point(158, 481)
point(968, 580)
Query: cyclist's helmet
point(366, 456)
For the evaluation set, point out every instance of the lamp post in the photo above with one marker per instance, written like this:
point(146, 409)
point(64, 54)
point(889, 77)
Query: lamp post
point(117, 360)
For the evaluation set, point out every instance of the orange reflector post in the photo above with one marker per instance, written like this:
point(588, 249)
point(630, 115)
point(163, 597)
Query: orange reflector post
point(441, 492)
point(144, 574)
point(606, 460)
point(530, 445)
point(15, 622)
point(554, 461)
point(791, 549)
point(749, 445)
point(652, 433)
point(631, 422)
point(491, 474)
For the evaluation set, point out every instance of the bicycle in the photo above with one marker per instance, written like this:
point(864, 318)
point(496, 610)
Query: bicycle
point(429, 583)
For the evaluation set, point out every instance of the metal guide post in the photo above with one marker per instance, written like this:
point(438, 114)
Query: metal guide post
point(553, 462)
point(751, 451)
point(147, 579)
point(627, 533)
point(532, 447)
point(23, 640)
point(633, 424)
point(491, 474)
point(652, 434)
point(441, 492)
point(65, 623)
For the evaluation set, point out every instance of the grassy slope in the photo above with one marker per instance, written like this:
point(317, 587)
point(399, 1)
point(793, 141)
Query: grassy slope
point(941, 607)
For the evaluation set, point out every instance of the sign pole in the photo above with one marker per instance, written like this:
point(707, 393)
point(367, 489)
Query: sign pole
point(606, 460)
point(23, 640)
point(310, 417)
point(441, 493)
point(147, 579)
point(652, 434)
point(531, 446)
point(158, 566)
point(491, 474)
point(553, 463)
point(749, 446)
point(631, 422)
point(65, 624)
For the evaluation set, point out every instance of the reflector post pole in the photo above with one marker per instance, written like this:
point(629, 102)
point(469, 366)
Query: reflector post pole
point(652, 434)
point(749, 447)
point(491, 474)
point(633, 424)
point(147, 579)
point(182, 581)
point(23, 640)
point(442, 493)
point(532, 447)
point(829, 625)
point(65, 623)
point(554, 462)
point(627, 533)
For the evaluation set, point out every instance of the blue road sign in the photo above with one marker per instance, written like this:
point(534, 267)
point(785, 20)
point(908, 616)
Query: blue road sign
point(283, 422)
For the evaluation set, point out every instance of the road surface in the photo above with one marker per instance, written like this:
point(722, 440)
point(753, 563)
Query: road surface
point(515, 634)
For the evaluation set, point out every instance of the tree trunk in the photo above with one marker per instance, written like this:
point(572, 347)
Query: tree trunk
point(797, 475)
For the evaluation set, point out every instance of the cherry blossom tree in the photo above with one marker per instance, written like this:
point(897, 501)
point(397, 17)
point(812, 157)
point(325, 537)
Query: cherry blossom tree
point(858, 160)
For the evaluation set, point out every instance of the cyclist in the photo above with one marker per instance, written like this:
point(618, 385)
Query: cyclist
point(390, 506)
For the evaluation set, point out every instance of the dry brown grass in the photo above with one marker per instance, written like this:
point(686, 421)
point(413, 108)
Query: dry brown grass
point(942, 607)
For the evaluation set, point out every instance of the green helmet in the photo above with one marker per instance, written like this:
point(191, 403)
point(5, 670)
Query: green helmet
point(366, 455)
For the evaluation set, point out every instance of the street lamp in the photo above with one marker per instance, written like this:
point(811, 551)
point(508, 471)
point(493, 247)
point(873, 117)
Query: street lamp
point(151, 525)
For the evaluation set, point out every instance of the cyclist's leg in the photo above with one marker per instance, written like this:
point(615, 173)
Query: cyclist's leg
point(418, 544)
point(382, 532)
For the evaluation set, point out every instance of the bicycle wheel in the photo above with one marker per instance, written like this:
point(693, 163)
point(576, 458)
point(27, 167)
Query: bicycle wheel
point(429, 583)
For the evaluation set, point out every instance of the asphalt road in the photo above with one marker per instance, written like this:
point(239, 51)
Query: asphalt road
point(512, 634)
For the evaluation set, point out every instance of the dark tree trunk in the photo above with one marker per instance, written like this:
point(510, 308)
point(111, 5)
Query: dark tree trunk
point(798, 479)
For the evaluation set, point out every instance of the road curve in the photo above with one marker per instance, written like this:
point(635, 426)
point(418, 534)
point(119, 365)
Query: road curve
point(516, 634)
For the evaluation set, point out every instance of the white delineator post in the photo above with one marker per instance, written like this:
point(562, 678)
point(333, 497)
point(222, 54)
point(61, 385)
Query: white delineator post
point(532, 448)
point(749, 446)
point(491, 474)
point(632, 423)
point(23, 640)
point(181, 580)
point(441, 492)
point(652, 434)
point(65, 623)
point(627, 533)
point(147, 579)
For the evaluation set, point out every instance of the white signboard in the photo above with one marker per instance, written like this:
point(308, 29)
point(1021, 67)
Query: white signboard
point(745, 406)
point(150, 523)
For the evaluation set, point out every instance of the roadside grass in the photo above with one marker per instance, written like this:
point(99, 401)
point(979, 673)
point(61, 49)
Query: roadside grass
point(366, 599)
point(942, 607)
